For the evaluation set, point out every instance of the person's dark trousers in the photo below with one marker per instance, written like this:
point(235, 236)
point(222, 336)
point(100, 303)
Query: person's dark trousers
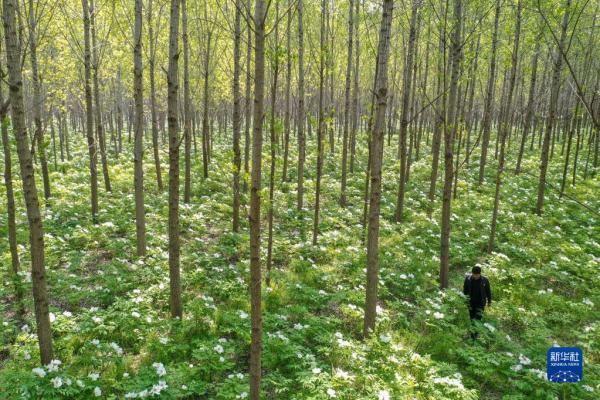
point(475, 313)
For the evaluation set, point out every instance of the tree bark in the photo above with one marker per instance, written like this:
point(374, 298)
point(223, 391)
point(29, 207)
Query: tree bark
point(449, 134)
point(554, 92)
point(376, 161)
point(89, 115)
point(487, 111)
point(237, 39)
point(301, 114)
point(36, 229)
point(172, 109)
point(406, 92)
point(255, 269)
point(153, 114)
point(138, 154)
point(343, 200)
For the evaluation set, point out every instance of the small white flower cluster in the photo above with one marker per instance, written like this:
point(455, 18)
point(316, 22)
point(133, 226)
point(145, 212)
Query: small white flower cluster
point(160, 369)
point(455, 380)
point(53, 366)
point(116, 348)
point(383, 395)
point(588, 302)
point(341, 341)
point(278, 335)
point(155, 390)
point(490, 327)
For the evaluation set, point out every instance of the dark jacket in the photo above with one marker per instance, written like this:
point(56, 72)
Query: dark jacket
point(486, 291)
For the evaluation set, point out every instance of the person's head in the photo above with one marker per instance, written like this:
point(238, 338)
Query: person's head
point(476, 272)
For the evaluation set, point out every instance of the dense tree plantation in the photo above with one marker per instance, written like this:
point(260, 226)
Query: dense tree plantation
point(285, 199)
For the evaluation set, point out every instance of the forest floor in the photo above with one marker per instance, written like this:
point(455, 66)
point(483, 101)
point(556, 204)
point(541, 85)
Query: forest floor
point(110, 311)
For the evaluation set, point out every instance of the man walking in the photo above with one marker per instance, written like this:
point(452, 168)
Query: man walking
point(477, 289)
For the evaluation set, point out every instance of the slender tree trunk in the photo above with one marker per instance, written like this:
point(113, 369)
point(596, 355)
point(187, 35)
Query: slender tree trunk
point(98, 109)
point(273, 145)
point(376, 161)
point(205, 127)
point(153, 114)
point(36, 229)
point(554, 92)
point(89, 125)
point(449, 134)
point(172, 109)
point(248, 108)
point(440, 115)
point(301, 114)
point(406, 91)
point(504, 125)
point(237, 39)
point(10, 209)
point(37, 101)
point(321, 122)
point(355, 94)
point(487, 111)
point(138, 154)
point(187, 117)
point(255, 269)
point(343, 200)
point(529, 113)
point(288, 86)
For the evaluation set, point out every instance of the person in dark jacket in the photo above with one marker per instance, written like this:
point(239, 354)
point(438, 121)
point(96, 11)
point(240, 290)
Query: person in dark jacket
point(479, 294)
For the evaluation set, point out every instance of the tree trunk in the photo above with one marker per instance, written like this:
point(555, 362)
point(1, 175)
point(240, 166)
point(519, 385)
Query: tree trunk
point(36, 229)
point(504, 126)
point(554, 92)
point(38, 102)
point(273, 143)
point(187, 117)
point(449, 134)
point(343, 200)
point(89, 125)
point(288, 83)
point(236, 117)
point(301, 114)
point(487, 111)
point(376, 161)
point(255, 269)
point(406, 92)
point(153, 114)
point(172, 104)
point(99, 121)
point(138, 153)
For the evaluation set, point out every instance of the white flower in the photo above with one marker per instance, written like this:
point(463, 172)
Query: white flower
point(56, 382)
point(588, 302)
point(95, 342)
point(39, 372)
point(163, 340)
point(67, 314)
point(93, 376)
point(27, 355)
point(184, 387)
point(331, 392)
point(135, 314)
point(524, 360)
point(385, 338)
point(242, 395)
point(384, 395)
point(316, 370)
point(160, 369)
point(52, 317)
point(516, 367)
point(243, 315)
point(438, 315)
point(490, 327)
point(97, 392)
point(97, 320)
point(53, 366)
point(116, 348)
point(588, 388)
point(218, 348)
point(455, 381)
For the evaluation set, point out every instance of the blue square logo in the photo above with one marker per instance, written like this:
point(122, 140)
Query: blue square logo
point(565, 364)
